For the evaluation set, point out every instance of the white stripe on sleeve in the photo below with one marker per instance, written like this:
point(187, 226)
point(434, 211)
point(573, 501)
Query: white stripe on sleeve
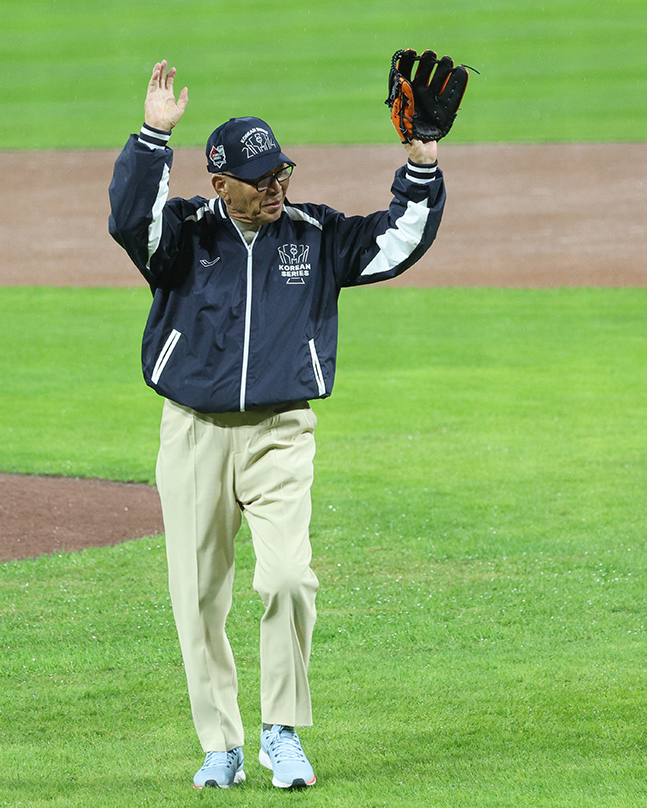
point(298, 215)
point(397, 244)
point(155, 227)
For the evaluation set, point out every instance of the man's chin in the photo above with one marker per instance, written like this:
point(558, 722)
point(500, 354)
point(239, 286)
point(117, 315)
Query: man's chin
point(270, 214)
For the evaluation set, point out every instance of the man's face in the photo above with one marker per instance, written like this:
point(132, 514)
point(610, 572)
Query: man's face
point(247, 204)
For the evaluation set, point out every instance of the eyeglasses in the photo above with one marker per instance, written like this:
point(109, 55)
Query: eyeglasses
point(282, 175)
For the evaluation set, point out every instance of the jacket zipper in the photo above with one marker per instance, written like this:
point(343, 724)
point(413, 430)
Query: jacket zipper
point(248, 324)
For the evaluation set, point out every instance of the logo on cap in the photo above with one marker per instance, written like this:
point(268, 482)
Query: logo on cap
point(217, 156)
point(256, 141)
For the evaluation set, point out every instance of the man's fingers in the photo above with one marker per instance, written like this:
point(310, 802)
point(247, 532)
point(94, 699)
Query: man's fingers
point(183, 99)
point(162, 77)
point(158, 78)
point(154, 80)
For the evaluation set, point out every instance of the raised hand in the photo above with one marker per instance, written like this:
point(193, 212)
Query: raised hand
point(161, 110)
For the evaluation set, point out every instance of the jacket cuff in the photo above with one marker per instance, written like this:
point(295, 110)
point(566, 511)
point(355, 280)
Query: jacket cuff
point(421, 173)
point(154, 138)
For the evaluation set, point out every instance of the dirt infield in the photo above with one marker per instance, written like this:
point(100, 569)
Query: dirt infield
point(517, 216)
point(535, 216)
point(55, 514)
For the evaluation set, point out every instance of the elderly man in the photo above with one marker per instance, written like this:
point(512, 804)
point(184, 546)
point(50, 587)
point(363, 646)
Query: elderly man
point(241, 335)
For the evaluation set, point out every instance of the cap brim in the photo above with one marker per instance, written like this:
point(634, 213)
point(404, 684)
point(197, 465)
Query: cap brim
point(254, 169)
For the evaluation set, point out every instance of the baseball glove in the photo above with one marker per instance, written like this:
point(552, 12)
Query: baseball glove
point(424, 106)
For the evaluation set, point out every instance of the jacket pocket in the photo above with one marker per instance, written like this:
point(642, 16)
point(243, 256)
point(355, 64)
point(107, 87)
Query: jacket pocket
point(165, 355)
point(316, 366)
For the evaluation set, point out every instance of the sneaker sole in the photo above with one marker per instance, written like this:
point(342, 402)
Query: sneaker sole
point(298, 784)
point(239, 777)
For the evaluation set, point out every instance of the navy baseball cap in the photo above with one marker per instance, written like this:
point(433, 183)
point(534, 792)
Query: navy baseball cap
point(245, 147)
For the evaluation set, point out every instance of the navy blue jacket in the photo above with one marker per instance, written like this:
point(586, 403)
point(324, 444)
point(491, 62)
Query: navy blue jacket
point(236, 326)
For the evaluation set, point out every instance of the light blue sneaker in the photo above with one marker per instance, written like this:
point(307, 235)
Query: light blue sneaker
point(221, 769)
point(282, 753)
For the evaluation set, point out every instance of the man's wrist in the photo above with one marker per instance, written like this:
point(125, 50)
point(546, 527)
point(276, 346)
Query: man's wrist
point(422, 152)
point(422, 173)
point(153, 137)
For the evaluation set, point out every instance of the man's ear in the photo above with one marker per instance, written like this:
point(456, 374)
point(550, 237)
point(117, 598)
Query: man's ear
point(219, 184)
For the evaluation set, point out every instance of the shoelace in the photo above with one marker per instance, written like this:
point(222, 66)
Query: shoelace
point(289, 747)
point(215, 757)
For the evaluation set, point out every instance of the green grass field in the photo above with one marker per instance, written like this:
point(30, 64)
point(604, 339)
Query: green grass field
point(551, 70)
point(479, 533)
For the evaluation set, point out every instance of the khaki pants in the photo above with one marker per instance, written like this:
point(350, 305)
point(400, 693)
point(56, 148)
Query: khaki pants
point(210, 469)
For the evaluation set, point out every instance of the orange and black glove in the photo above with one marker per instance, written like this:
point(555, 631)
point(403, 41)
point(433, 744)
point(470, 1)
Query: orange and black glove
point(424, 106)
